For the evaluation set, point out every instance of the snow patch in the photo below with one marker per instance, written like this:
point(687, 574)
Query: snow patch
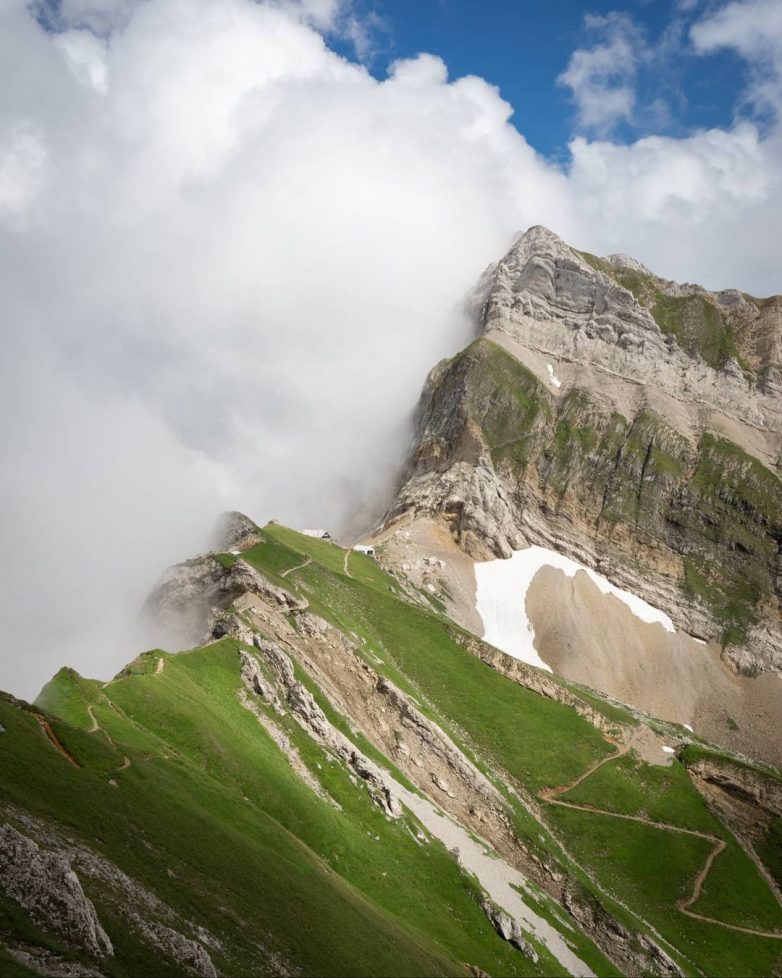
point(688, 727)
point(668, 750)
point(553, 379)
point(501, 595)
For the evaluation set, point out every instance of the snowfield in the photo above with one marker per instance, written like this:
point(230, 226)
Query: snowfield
point(501, 599)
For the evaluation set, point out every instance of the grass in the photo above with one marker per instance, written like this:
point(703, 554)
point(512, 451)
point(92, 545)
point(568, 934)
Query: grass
point(735, 892)
point(663, 794)
point(650, 870)
point(510, 727)
point(211, 798)
point(211, 817)
point(695, 321)
point(770, 849)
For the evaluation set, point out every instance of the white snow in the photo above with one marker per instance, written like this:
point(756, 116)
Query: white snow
point(668, 750)
point(688, 727)
point(553, 379)
point(235, 552)
point(501, 599)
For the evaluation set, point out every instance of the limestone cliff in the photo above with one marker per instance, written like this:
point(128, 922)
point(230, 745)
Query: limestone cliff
point(631, 422)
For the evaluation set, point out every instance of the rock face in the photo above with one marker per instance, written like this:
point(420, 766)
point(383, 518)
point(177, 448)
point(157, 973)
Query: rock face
point(632, 423)
point(313, 719)
point(45, 884)
point(189, 599)
point(234, 530)
point(508, 929)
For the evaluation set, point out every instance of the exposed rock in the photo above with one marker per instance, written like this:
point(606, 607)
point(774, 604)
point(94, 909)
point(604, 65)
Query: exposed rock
point(254, 679)
point(189, 597)
point(645, 954)
point(314, 720)
point(235, 530)
point(153, 920)
point(277, 659)
point(227, 625)
point(650, 460)
point(750, 784)
point(45, 884)
point(508, 929)
point(283, 741)
point(185, 597)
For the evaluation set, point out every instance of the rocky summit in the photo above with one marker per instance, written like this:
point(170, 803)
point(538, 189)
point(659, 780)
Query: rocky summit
point(629, 422)
point(526, 726)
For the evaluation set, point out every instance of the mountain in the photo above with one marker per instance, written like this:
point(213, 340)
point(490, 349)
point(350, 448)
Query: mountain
point(340, 780)
point(535, 733)
point(634, 425)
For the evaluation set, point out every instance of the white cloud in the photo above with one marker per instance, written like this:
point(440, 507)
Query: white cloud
point(602, 77)
point(753, 28)
point(85, 54)
point(22, 169)
point(229, 259)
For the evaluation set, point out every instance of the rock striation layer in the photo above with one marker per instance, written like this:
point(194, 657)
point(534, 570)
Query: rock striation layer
point(630, 422)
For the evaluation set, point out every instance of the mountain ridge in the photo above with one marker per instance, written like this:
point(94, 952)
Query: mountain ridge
point(573, 421)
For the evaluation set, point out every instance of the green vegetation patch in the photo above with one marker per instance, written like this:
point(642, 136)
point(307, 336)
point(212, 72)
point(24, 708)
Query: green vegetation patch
point(770, 849)
point(664, 794)
point(695, 320)
point(210, 816)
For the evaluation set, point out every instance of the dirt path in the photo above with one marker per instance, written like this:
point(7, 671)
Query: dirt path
point(52, 737)
point(126, 761)
point(347, 570)
point(161, 663)
point(552, 797)
point(290, 570)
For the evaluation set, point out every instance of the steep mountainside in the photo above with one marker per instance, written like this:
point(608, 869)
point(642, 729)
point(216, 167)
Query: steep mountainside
point(627, 421)
point(339, 780)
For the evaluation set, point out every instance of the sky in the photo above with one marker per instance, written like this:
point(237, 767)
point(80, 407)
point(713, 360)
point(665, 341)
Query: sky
point(236, 235)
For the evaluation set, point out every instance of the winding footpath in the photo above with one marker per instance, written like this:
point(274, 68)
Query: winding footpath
point(126, 762)
point(290, 570)
point(552, 797)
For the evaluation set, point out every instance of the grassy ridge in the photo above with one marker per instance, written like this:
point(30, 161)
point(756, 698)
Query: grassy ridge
point(210, 816)
point(210, 798)
point(514, 728)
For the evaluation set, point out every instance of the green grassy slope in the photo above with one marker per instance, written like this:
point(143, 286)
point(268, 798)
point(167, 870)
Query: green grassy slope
point(183, 789)
point(245, 844)
point(541, 743)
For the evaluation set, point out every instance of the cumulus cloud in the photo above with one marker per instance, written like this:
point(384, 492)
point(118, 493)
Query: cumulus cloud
point(230, 257)
point(753, 28)
point(602, 77)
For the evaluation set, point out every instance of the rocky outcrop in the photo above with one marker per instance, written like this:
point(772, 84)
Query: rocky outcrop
point(235, 531)
point(45, 884)
point(189, 600)
point(752, 785)
point(644, 953)
point(590, 419)
point(723, 348)
point(508, 929)
point(281, 685)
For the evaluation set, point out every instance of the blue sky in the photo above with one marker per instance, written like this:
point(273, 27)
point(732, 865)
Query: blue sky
point(523, 46)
